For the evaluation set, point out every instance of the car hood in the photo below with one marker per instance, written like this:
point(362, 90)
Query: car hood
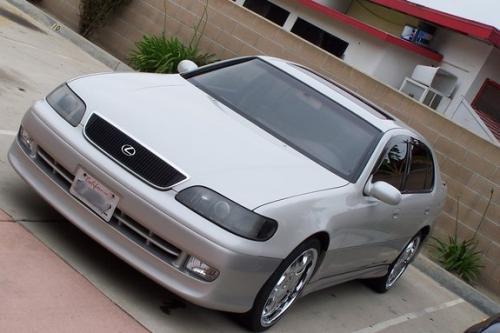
point(212, 144)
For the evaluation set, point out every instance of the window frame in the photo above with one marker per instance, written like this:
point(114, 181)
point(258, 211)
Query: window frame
point(488, 83)
point(382, 155)
point(409, 150)
point(324, 32)
point(410, 160)
point(246, 5)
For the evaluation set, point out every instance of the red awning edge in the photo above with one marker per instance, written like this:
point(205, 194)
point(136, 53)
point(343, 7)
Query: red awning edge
point(468, 27)
point(375, 32)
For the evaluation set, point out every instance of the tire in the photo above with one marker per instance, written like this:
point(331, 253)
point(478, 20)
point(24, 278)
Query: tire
point(276, 297)
point(398, 267)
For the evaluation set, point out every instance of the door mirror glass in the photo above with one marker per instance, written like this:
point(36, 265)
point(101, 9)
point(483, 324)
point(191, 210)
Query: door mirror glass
point(384, 192)
point(186, 66)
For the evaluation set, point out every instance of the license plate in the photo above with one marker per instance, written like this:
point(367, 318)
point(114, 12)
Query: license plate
point(94, 194)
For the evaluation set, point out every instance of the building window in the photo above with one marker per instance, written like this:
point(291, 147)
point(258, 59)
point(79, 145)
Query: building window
point(319, 37)
point(487, 105)
point(267, 9)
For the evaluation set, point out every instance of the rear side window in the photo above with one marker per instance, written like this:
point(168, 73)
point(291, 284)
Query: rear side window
point(392, 167)
point(421, 172)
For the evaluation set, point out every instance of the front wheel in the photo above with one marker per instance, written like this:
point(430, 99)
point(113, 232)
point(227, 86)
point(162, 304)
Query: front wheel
point(283, 287)
point(398, 267)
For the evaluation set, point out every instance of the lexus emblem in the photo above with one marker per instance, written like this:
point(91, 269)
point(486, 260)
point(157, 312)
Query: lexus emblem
point(128, 150)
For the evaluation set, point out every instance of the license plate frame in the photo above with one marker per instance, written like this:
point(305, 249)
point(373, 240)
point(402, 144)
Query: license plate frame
point(95, 195)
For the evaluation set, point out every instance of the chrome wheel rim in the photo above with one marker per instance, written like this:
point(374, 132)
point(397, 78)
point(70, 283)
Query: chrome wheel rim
point(403, 261)
point(289, 286)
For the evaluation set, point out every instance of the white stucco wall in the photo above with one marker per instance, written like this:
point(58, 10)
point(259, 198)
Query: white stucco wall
point(396, 64)
point(385, 62)
point(465, 116)
point(490, 70)
point(463, 57)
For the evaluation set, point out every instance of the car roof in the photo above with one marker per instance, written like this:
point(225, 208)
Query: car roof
point(342, 95)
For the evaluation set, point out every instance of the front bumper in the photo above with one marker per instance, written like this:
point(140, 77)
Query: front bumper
point(50, 172)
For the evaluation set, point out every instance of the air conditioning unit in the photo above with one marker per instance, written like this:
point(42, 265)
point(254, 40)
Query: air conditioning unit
point(431, 86)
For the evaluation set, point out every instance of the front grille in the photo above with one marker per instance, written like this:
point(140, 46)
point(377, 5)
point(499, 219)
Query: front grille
point(143, 164)
point(120, 221)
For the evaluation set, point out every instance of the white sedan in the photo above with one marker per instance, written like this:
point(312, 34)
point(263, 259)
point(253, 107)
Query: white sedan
point(240, 185)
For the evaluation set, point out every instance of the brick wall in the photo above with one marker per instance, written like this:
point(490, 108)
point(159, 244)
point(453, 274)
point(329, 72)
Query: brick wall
point(470, 165)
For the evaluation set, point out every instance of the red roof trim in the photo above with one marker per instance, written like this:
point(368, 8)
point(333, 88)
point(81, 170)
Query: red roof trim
point(375, 32)
point(465, 26)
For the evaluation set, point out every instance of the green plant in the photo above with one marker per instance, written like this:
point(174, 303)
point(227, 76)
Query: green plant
point(461, 256)
point(95, 13)
point(159, 54)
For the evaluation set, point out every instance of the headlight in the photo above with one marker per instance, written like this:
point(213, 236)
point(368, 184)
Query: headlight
point(227, 214)
point(67, 104)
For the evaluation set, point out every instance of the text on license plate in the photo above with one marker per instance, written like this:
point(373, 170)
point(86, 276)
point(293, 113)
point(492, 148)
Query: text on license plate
point(94, 194)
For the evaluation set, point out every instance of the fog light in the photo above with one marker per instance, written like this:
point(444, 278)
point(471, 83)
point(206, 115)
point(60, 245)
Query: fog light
point(202, 270)
point(27, 141)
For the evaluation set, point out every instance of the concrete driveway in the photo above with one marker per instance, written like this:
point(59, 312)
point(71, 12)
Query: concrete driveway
point(33, 60)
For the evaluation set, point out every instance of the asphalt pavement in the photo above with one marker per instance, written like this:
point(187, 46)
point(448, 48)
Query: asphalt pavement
point(34, 60)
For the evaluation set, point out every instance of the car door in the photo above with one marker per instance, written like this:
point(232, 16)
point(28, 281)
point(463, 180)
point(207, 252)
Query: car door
point(406, 163)
point(374, 231)
point(386, 228)
point(418, 185)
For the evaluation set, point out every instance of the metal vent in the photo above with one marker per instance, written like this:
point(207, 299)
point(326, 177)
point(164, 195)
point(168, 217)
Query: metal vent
point(131, 155)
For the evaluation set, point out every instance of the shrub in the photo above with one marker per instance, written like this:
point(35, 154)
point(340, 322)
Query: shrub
point(95, 13)
point(158, 54)
point(461, 257)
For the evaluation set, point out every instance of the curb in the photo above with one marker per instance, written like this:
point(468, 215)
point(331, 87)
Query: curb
point(4, 217)
point(454, 284)
point(90, 48)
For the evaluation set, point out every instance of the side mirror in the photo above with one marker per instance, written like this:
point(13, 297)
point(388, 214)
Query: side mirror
point(186, 66)
point(384, 192)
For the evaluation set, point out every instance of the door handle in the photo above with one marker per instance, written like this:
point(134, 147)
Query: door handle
point(427, 211)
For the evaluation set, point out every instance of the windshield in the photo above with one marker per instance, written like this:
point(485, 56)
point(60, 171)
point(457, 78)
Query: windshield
point(298, 115)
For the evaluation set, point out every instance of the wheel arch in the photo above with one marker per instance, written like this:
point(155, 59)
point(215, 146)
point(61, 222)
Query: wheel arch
point(324, 239)
point(425, 232)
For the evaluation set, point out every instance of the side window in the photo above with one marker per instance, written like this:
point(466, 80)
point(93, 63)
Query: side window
point(392, 166)
point(421, 172)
